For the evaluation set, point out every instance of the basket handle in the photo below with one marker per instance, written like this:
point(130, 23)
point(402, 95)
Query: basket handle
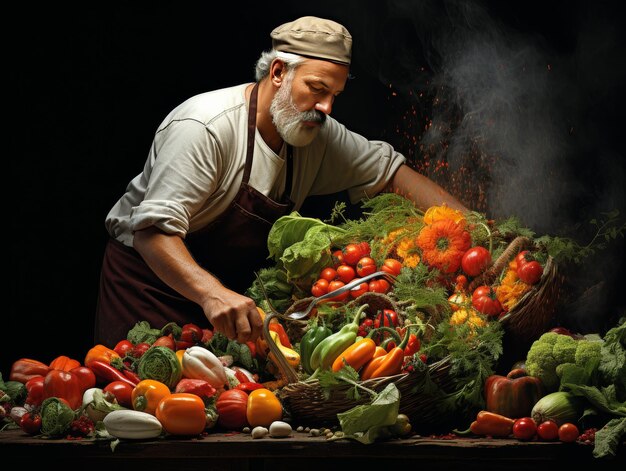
point(285, 368)
point(488, 276)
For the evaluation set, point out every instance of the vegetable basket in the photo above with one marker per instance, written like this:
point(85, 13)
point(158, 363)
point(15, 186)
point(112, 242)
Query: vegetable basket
point(307, 402)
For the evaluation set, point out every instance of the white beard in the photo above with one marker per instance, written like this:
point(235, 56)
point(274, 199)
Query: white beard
point(288, 119)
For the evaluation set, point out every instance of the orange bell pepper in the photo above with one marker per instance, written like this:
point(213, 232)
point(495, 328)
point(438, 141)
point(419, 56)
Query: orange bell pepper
point(356, 355)
point(25, 369)
point(147, 394)
point(263, 408)
point(182, 414)
point(64, 363)
point(100, 353)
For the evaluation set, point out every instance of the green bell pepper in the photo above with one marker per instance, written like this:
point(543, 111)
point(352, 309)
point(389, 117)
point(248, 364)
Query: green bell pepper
point(309, 341)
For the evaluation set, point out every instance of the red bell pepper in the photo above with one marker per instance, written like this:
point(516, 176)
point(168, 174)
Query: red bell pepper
point(249, 386)
point(199, 387)
point(86, 377)
point(105, 373)
point(65, 385)
point(25, 368)
point(64, 363)
point(34, 391)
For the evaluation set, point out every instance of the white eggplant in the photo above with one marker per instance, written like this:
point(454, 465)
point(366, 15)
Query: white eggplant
point(132, 424)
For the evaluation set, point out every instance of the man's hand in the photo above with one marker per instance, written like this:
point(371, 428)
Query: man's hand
point(230, 313)
point(233, 315)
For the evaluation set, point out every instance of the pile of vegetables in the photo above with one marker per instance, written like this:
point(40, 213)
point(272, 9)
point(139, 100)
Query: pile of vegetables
point(444, 301)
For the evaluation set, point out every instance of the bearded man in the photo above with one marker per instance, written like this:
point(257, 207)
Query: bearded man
point(223, 167)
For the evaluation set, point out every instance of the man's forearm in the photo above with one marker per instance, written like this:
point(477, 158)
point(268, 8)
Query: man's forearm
point(421, 190)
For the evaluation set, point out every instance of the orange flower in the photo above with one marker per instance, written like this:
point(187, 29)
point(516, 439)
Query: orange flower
point(403, 247)
point(511, 288)
point(437, 213)
point(443, 244)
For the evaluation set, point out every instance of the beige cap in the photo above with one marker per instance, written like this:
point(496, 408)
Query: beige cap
point(314, 37)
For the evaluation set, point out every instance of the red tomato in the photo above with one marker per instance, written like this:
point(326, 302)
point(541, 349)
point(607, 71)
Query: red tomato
point(320, 287)
point(548, 430)
point(122, 391)
point(475, 260)
point(86, 377)
point(568, 432)
point(140, 349)
point(207, 334)
point(30, 423)
point(337, 258)
point(336, 284)
point(524, 428)
point(328, 273)
point(484, 300)
point(123, 347)
point(365, 266)
point(166, 341)
point(345, 273)
point(191, 333)
point(379, 286)
point(523, 257)
point(387, 318)
point(352, 253)
point(231, 407)
point(530, 272)
point(359, 290)
point(366, 250)
point(391, 265)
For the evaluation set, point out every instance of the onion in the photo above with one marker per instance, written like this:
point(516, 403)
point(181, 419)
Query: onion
point(560, 406)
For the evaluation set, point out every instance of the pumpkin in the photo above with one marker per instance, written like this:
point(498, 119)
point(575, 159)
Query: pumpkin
point(513, 395)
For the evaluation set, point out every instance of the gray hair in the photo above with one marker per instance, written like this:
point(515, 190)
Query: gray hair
point(262, 67)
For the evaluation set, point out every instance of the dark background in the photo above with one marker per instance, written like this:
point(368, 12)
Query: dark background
point(88, 87)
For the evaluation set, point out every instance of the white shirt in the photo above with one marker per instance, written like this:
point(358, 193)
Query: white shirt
point(196, 163)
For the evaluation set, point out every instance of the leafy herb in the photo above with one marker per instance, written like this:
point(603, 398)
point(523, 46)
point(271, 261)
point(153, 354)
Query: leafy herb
point(142, 332)
point(566, 249)
point(271, 286)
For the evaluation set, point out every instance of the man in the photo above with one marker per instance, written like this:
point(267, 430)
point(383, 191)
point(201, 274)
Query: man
point(192, 228)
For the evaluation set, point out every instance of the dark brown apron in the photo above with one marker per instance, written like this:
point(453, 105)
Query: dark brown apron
point(232, 247)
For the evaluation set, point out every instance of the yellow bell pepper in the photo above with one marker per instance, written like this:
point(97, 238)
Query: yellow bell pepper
point(263, 408)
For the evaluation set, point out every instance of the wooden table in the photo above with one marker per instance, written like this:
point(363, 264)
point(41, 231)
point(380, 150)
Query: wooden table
point(301, 452)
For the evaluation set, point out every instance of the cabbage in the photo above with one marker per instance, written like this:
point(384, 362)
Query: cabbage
point(160, 364)
point(56, 417)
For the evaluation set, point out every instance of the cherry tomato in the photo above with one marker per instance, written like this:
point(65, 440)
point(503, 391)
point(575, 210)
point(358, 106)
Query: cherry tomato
point(140, 349)
point(379, 286)
point(391, 265)
point(320, 287)
point(123, 347)
point(366, 250)
point(460, 283)
point(359, 290)
point(346, 273)
point(122, 391)
point(484, 300)
point(387, 318)
point(530, 272)
point(336, 284)
point(548, 430)
point(337, 258)
point(523, 257)
point(568, 432)
point(191, 333)
point(524, 428)
point(475, 260)
point(365, 266)
point(31, 423)
point(166, 341)
point(328, 273)
point(352, 253)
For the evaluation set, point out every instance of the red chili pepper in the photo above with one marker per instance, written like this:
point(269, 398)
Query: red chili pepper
point(249, 386)
point(107, 373)
point(131, 375)
point(412, 346)
point(252, 346)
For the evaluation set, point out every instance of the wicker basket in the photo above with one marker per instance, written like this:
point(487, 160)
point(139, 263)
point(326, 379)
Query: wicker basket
point(308, 403)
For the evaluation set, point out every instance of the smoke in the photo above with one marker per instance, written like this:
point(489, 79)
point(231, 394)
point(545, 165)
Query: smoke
point(504, 106)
